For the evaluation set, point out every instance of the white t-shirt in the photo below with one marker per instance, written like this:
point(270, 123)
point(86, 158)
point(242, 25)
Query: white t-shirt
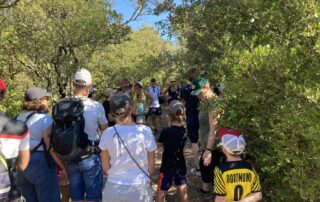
point(155, 93)
point(139, 140)
point(37, 124)
point(11, 147)
point(93, 115)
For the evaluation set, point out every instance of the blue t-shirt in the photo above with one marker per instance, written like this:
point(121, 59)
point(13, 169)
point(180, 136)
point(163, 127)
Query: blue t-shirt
point(140, 108)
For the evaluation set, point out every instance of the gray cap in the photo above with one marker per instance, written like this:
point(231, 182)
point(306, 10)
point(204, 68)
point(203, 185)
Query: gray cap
point(36, 93)
point(108, 92)
point(175, 106)
point(119, 103)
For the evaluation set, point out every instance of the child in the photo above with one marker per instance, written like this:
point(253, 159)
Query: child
point(235, 180)
point(140, 110)
point(173, 166)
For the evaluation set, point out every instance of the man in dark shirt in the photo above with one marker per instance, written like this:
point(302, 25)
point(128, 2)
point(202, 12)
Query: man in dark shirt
point(191, 104)
point(108, 92)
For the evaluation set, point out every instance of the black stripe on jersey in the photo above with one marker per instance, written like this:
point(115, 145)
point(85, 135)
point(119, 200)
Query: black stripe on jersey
point(231, 165)
point(218, 182)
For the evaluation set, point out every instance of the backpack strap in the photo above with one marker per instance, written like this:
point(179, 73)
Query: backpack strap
point(27, 119)
point(29, 116)
point(118, 135)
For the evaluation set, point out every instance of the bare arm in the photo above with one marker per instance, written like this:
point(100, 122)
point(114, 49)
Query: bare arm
point(46, 139)
point(213, 121)
point(253, 197)
point(151, 162)
point(102, 127)
point(105, 161)
point(23, 159)
point(220, 199)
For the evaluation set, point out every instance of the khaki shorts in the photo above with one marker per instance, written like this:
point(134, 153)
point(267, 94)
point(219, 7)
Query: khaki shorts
point(127, 193)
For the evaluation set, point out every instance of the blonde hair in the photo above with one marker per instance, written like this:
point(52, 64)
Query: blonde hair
point(179, 117)
point(122, 116)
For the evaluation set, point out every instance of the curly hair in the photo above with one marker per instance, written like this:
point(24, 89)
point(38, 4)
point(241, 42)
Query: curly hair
point(34, 105)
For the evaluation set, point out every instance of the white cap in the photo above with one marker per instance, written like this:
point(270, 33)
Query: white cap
point(82, 77)
point(232, 141)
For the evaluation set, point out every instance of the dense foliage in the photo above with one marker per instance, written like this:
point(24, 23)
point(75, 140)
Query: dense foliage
point(266, 54)
point(42, 43)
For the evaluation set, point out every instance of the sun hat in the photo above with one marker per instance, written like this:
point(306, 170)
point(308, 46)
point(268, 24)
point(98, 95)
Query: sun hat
point(119, 103)
point(175, 106)
point(232, 141)
point(139, 83)
point(36, 93)
point(198, 83)
point(82, 77)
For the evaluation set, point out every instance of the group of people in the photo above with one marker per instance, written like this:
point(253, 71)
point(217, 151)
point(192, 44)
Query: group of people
point(121, 170)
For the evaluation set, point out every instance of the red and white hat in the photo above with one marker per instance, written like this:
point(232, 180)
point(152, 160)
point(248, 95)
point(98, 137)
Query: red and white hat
point(232, 141)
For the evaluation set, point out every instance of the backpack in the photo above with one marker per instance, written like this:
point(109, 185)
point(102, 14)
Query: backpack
point(11, 129)
point(68, 138)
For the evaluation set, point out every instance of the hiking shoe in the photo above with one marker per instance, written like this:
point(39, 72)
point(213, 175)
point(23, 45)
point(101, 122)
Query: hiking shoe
point(195, 172)
point(207, 194)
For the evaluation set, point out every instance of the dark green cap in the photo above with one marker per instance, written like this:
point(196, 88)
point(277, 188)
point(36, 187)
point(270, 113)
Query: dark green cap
point(198, 83)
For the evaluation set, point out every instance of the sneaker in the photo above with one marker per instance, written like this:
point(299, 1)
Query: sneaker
point(207, 194)
point(195, 172)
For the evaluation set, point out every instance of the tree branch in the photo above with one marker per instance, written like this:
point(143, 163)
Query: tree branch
point(6, 4)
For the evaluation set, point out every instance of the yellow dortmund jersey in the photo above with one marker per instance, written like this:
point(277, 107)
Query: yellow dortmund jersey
point(235, 180)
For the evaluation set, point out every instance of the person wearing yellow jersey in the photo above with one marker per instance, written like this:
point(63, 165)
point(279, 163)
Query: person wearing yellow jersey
point(235, 179)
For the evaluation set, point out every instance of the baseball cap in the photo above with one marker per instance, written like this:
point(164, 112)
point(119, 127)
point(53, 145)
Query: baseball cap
point(119, 103)
point(82, 77)
point(232, 141)
point(108, 92)
point(3, 87)
point(198, 83)
point(175, 106)
point(92, 90)
point(36, 93)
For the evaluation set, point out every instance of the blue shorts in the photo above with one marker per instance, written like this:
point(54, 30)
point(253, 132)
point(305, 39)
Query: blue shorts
point(155, 111)
point(166, 181)
point(85, 179)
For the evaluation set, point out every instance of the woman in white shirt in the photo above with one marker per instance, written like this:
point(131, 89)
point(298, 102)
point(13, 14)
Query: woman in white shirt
point(127, 156)
point(38, 182)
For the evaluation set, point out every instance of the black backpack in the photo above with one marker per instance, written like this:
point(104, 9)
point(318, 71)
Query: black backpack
point(68, 138)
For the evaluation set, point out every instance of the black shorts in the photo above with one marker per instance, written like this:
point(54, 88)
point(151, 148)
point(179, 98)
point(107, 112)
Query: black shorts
point(207, 172)
point(193, 132)
point(167, 180)
point(155, 111)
